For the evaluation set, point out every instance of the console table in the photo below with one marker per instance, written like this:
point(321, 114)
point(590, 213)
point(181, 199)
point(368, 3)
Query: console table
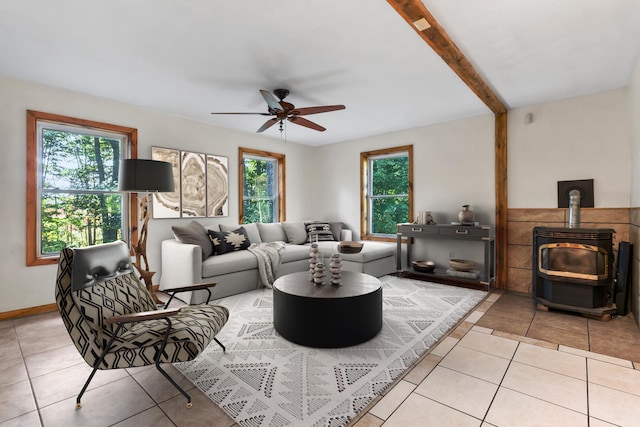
point(483, 233)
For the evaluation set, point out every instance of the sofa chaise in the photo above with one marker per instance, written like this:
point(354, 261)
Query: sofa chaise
point(219, 253)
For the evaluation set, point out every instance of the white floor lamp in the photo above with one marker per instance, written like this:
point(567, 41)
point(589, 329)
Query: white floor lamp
point(144, 176)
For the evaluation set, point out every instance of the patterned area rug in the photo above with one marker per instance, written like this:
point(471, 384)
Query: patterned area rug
point(264, 380)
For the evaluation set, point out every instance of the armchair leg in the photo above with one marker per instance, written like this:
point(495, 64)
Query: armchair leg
point(96, 365)
point(175, 384)
point(224, 350)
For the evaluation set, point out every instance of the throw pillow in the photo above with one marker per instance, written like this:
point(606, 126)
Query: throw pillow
point(229, 241)
point(319, 231)
point(251, 229)
point(272, 232)
point(296, 232)
point(194, 233)
point(336, 228)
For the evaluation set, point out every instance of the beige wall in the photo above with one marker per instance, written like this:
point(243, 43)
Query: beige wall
point(23, 287)
point(453, 165)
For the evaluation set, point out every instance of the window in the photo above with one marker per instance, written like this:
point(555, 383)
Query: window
point(387, 191)
point(262, 186)
point(72, 184)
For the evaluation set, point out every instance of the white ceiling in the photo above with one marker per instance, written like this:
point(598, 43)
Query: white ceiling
point(194, 57)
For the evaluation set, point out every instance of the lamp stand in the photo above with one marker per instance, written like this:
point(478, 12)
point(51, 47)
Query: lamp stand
point(140, 249)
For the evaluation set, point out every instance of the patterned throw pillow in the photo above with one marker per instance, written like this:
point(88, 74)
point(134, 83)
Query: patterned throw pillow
point(319, 231)
point(229, 241)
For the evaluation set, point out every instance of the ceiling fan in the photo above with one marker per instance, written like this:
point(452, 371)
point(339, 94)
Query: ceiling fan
point(286, 111)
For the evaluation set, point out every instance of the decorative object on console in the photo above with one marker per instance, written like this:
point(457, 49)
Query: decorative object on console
point(462, 264)
point(466, 216)
point(347, 247)
point(424, 217)
point(136, 176)
point(335, 267)
point(423, 266)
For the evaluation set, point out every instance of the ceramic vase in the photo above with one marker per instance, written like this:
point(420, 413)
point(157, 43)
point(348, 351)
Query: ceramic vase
point(466, 216)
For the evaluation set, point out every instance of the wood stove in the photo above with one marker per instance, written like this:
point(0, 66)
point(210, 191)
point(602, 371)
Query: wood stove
point(573, 266)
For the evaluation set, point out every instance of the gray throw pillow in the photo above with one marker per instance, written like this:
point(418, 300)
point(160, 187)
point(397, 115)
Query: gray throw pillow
point(272, 232)
point(336, 228)
point(195, 234)
point(296, 232)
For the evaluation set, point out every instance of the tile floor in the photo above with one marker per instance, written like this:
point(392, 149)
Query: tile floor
point(505, 365)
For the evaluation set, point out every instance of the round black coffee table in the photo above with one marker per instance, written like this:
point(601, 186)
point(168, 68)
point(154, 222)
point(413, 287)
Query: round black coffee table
point(327, 315)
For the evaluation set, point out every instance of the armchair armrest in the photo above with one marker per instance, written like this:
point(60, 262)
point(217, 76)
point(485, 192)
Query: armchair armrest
point(144, 315)
point(206, 286)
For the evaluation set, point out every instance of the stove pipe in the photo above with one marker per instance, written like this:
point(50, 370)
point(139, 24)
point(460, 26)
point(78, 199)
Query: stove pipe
point(574, 209)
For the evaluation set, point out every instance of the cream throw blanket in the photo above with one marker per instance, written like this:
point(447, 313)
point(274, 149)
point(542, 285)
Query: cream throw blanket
point(269, 256)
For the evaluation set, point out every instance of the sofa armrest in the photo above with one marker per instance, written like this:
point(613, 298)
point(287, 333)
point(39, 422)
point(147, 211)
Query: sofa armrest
point(346, 235)
point(181, 265)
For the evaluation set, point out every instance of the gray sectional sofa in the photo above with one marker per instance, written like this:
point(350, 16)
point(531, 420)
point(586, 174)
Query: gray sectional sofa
point(194, 255)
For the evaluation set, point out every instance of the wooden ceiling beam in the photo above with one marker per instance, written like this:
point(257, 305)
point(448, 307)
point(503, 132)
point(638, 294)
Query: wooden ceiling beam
point(423, 22)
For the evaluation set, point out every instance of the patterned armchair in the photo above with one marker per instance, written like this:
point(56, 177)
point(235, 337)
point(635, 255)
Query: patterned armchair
point(114, 322)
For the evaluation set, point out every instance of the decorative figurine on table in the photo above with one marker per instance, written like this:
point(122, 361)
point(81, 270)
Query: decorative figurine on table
point(335, 268)
point(314, 256)
point(318, 275)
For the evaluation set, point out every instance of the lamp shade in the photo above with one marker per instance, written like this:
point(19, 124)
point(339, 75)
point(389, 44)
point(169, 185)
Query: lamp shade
point(139, 175)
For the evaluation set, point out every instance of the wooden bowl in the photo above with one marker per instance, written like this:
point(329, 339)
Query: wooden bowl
point(349, 247)
point(423, 266)
point(462, 264)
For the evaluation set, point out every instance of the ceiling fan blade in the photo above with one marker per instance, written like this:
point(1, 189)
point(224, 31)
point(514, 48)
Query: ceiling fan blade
point(251, 114)
point(268, 124)
point(306, 123)
point(315, 110)
point(271, 101)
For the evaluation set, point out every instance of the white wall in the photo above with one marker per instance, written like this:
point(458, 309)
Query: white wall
point(579, 138)
point(23, 287)
point(453, 165)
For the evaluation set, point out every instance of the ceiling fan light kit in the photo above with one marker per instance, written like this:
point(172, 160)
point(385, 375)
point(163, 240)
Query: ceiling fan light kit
point(286, 111)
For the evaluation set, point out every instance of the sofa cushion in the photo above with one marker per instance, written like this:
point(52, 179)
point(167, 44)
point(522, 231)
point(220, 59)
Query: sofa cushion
point(194, 233)
point(295, 253)
point(231, 262)
point(251, 229)
point(229, 241)
point(296, 232)
point(272, 232)
point(319, 231)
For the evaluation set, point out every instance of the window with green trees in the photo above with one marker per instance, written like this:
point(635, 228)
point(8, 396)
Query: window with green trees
point(387, 195)
point(262, 186)
point(77, 200)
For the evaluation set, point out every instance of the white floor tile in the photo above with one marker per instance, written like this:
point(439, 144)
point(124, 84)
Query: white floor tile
point(444, 347)
point(596, 356)
point(390, 402)
point(613, 406)
point(552, 360)
point(476, 363)
point(545, 385)
point(511, 408)
point(614, 376)
point(475, 316)
point(498, 346)
point(423, 412)
point(459, 391)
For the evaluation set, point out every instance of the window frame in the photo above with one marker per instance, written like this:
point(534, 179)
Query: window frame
point(365, 186)
point(34, 194)
point(281, 168)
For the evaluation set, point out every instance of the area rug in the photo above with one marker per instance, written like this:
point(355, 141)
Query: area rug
point(265, 380)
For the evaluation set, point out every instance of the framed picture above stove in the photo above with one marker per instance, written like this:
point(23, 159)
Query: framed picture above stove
point(585, 186)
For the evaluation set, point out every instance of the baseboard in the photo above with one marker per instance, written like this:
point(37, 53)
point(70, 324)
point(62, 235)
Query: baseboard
point(23, 312)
